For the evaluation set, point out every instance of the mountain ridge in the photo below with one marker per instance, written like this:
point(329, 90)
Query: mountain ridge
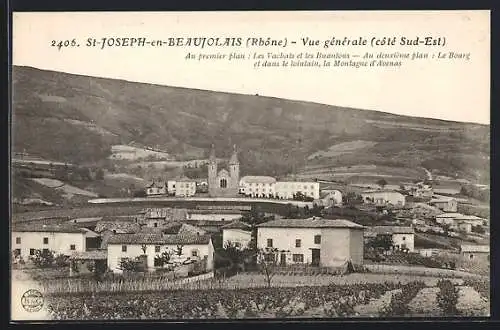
point(275, 135)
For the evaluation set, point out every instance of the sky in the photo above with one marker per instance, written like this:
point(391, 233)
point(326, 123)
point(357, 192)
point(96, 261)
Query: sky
point(450, 89)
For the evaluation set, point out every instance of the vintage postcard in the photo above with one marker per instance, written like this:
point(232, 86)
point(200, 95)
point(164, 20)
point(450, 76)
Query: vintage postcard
point(250, 165)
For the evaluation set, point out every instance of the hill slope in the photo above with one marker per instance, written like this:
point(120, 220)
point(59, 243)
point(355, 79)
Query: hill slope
point(74, 118)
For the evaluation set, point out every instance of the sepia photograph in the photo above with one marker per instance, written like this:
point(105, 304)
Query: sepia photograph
point(250, 165)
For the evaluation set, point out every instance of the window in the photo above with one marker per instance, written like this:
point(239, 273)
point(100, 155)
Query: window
point(317, 239)
point(157, 262)
point(298, 258)
point(471, 256)
point(157, 248)
point(72, 247)
point(155, 224)
point(45, 250)
point(32, 252)
point(18, 240)
point(17, 252)
point(223, 183)
point(194, 253)
point(124, 248)
point(404, 238)
point(297, 243)
point(270, 242)
point(45, 240)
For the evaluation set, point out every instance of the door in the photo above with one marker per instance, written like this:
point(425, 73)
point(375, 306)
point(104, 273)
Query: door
point(283, 260)
point(315, 260)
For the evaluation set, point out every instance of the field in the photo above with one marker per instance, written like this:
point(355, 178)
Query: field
point(389, 299)
point(135, 153)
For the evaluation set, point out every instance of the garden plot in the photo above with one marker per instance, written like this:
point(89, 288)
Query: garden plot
point(425, 302)
point(471, 303)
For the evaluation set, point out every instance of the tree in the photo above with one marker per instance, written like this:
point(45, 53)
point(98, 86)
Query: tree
point(351, 199)
point(381, 242)
point(43, 258)
point(267, 263)
point(382, 183)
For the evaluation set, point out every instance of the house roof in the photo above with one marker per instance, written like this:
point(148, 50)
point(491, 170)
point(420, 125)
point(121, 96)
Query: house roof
point(310, 223)
point(159, 239)
point(47, 228)
point(90, 255)
point(389, 230)
point(119, 226)
point(449, 215)
point(258, 179)
point(381, 191)
point(237, 224)
point(156, 184)
point(475, 248)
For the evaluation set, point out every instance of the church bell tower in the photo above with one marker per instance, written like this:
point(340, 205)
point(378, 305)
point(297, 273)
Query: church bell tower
point(212, 172)
point(234, 171)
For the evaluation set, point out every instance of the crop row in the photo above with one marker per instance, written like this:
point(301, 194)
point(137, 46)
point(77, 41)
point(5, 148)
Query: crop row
point(331, 301)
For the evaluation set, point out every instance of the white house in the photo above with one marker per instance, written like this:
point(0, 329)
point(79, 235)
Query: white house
point(445, 204)
point(383, 197)
point(195, 246)
point(447, 218)
point(329, 198)
point(286, 189)
point(60, 239)
point(475, 252)
point(213, 215)
point(171, 185)
point(237, 232)
point(156, 188)
point(185, 187)
point(314, 241)
point(258, 186)
point(402, 237)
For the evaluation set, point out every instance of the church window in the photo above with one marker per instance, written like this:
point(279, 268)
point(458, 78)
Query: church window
point(223, 183)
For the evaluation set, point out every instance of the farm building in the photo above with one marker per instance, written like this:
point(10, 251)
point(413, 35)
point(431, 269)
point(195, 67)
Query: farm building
point(286, 189)
point(237, 232)
point(383, 197)
point(186, 244)
point(60, 239)
point(447, 218)
point(475, 252)
point(213, 215)
point(402, 237)
point(329, 198)
point(258, 186)
point(156, 188)
point(445, 204)
point(313, 241)
point(185, 187)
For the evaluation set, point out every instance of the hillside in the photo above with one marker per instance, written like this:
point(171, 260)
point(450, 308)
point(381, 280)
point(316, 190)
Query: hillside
point(77, 119)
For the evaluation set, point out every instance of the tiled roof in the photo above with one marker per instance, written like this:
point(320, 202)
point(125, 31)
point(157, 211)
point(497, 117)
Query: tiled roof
point(475, 248)
point(381, 191)
point(391, 230)
point(156, 184)
point(237, 224)
point(38, 227)
point(310, 223)
point(449, 215)
point(119, 226)
point(90, 255)
point(158, 238)
point(258, 179)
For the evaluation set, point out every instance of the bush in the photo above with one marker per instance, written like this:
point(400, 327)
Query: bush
point(399, 302)
point(43, 258)
point(61, 260)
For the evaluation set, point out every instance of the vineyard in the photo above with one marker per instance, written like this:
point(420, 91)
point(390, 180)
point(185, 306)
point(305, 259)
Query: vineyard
point(387, 299)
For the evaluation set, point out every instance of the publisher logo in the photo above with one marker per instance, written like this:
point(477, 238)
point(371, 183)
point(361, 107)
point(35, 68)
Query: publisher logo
point(32, 300)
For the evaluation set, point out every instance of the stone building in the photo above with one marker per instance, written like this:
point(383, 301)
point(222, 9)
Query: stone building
point(223, 182)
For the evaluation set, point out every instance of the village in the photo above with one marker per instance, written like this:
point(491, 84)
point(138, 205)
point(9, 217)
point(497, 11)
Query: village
point(412, 226)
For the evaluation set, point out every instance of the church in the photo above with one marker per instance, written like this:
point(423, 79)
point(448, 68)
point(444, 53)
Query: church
point(223, 182)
